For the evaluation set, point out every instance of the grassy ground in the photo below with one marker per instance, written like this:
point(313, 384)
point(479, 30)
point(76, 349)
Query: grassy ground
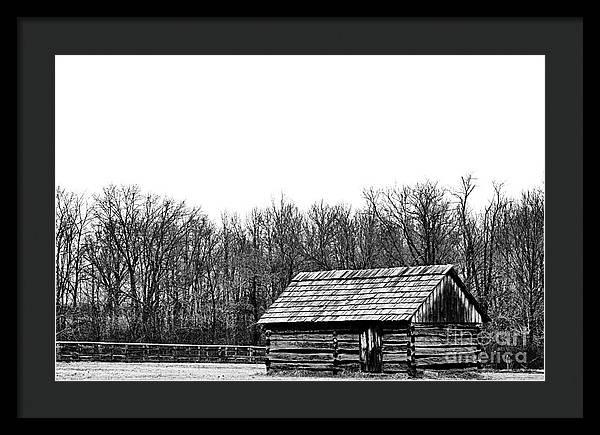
point(114, 371)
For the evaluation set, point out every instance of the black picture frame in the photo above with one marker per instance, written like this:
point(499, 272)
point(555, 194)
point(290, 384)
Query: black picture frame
point(560, 40)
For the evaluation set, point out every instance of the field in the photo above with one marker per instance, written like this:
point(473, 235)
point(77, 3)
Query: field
point(114, 371)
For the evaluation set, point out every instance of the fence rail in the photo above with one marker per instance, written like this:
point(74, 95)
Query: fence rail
point(154, 352)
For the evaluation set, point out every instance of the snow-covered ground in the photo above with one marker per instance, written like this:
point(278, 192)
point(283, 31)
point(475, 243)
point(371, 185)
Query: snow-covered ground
point(114, 371)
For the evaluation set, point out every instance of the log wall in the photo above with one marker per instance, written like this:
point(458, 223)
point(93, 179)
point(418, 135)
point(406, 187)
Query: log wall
point(404, 348)
point(289, 349)
point(446, 345)
point(336, 350)
point(347, 357)
point(397, 350)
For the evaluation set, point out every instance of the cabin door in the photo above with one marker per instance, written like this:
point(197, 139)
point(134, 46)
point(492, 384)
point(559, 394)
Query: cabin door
point(370, 349)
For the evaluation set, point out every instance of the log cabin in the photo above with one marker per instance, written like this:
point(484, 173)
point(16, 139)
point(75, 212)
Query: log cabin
point(374, 320)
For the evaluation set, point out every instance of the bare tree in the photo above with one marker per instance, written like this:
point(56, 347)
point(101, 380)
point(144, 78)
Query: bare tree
point(320, 227)
point(523, 250)
point(421, 215)
point(368, 237)
point(287, 238)
point(490, 229)
point(468, 233)
point(133, 266)
point(258, 268)
point(119, 212)
point(71, 227)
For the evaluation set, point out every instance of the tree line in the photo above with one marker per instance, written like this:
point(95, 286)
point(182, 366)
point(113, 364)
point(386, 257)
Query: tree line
point(134, 266)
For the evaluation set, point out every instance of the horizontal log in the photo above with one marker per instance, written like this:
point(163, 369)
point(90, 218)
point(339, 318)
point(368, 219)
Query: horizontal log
point(444, 333)
point(349, 368)
point(348, 343)
point(397, 344)
point(395, 357)
point(441, 338)
point(445, 360)
point(399, 367)
point(446, 365)
point(395, 331)
point(348, 357)
point(432, 335)
point(327, 334)
point(302, 337)
point(295, 344)
point(442, 344)
point(347, 337)
point(347, 349)
point(301, 350)
point(292, 331)
point(445, 350)
point(396, 351)
point(298, 364)
point(280, 356)
point(395, 347)
point(283, 369)
point(430, 342)
point(396, 336)
point(462, 335)
point(347, 363)
point(315, 328)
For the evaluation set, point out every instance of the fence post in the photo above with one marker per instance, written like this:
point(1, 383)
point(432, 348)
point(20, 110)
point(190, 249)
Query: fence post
point(412, 367)
point(335, 352)
point(267, 348)
point(479, 348)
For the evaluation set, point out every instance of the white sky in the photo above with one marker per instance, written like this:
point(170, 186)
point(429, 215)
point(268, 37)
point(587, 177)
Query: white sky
point(232, 132)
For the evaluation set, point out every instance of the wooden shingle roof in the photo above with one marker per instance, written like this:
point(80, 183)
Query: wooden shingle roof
point(390, 294)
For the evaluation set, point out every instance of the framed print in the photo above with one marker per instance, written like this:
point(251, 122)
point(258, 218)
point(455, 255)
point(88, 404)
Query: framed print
point(218, 212)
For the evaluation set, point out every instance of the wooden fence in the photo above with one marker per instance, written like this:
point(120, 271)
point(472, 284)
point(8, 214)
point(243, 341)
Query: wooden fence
point(151, 352)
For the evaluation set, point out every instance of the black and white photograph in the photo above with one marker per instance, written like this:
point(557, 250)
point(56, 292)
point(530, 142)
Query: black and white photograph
point(327, 218)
